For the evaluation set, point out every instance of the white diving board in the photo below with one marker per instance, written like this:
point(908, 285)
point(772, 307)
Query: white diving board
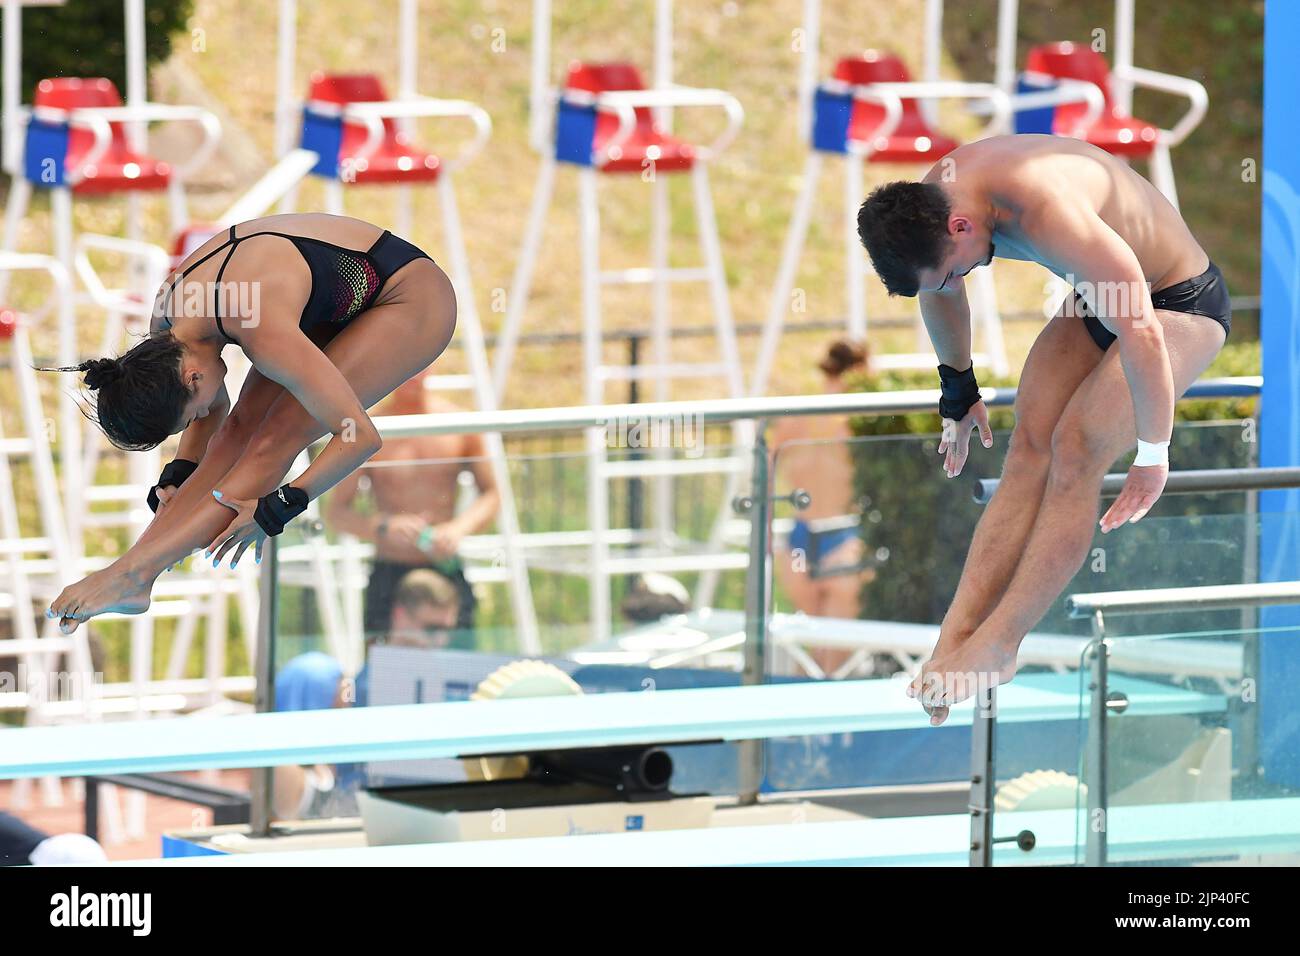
point(1172, 832)
point(672, 638)
point(468, 728)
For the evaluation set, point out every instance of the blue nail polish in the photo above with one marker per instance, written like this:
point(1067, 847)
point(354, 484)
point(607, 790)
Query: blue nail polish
point(215, 493)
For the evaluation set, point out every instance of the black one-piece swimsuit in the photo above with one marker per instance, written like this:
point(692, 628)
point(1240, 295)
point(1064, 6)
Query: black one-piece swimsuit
point(344, 282)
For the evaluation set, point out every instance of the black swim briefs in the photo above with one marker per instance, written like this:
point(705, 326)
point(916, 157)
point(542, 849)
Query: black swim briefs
point(1206, 294)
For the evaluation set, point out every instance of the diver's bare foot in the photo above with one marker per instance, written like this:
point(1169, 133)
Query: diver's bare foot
point(952, 678)
point(105, 591)
point(951, 639)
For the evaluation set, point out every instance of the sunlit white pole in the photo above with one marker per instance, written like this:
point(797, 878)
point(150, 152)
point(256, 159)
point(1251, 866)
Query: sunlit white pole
point(1121, 88)
point(13, 94)
point(809, 63)
point(286, 57)
point(539, 91)
point(1008, 34)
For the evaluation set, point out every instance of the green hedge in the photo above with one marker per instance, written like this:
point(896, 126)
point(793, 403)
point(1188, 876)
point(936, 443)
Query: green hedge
point(921, 522)
point(88, 38)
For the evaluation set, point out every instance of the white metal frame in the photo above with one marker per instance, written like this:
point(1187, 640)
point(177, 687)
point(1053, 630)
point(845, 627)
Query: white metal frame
point(1124, 77)
point(135, 115)
point(408, 106)
point(97, 120)
point(890, 97)
point(185, 595)
point(1198, 101)
point(56, 541)
point(622, 104)
point(32, 579)
point(662, 98)
point(372, 116)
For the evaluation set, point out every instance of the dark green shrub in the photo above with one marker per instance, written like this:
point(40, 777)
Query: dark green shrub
point(925, 521)
point(88, 38)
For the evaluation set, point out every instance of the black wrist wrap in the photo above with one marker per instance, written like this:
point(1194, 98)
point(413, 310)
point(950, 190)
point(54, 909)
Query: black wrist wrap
point(277, 509)
point(173, 475)
point(960, 392)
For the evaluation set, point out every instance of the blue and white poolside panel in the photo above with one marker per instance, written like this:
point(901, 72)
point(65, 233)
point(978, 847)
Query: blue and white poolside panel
point(1175, 832)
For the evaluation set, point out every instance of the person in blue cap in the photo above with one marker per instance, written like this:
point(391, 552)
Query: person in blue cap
point(311, 681)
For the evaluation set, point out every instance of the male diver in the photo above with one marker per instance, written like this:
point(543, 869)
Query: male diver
point(1149, 313)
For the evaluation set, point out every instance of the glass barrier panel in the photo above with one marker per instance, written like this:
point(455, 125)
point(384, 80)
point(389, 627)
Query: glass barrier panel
point(1199, 761)
point(374, 592)
point(862, 577)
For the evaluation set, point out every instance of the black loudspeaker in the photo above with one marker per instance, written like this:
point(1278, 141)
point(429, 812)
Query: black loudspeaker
point(632, 771)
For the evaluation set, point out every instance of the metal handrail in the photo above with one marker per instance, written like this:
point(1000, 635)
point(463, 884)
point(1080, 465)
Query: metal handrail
point(1203, 598)
point(1198, 101)
point(1189, 482)
point(1096, 659)
point(731, 409)
point(372, 115)
point(715, 411)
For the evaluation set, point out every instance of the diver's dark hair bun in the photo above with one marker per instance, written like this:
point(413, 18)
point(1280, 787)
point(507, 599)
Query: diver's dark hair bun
point(844, 355)
point(101, 372)
point(139, 414)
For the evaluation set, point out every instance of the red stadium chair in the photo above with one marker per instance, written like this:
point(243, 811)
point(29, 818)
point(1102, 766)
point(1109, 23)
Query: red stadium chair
point(1115, 130)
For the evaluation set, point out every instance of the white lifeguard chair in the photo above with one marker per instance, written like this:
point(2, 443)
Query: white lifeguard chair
point(361, 138)
point(80, 139)
point(871, 111)
point(35, 567)
point(1115, 130)
point(605, 121)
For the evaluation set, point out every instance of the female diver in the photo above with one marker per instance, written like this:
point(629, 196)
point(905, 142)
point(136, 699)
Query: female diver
point(333, 314)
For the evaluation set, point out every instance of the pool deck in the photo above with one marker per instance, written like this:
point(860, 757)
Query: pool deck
point(1175, 832)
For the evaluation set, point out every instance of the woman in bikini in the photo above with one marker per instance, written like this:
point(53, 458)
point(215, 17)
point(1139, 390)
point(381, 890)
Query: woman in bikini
point(333, 313)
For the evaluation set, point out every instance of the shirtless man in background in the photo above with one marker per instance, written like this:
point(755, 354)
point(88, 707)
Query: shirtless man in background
point(415, 525)
point(1149, 313)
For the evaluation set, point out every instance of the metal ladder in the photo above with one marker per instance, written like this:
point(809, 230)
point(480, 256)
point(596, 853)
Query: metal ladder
point(38, 653)
point(601, 565)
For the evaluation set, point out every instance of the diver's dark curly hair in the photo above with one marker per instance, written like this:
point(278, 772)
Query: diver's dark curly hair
point(139, 396)
point(904, 227)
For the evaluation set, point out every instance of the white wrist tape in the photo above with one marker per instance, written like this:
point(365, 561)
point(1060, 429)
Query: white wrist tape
point(1152, 453)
